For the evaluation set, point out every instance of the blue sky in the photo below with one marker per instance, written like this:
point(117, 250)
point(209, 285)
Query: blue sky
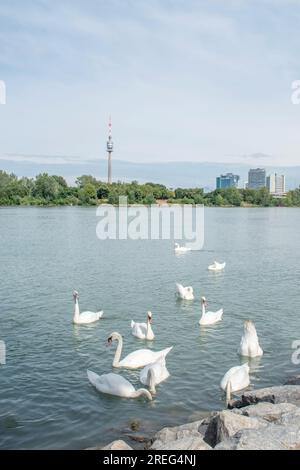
point(190, 80)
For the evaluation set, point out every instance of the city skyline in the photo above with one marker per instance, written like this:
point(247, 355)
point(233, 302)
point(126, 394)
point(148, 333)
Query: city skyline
point(198, 95)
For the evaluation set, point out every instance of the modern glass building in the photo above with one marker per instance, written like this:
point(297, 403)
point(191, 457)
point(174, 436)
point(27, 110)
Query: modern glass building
point(257, 178)
point(227, 181)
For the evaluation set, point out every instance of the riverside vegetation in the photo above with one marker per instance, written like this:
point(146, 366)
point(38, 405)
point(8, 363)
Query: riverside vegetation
point(52, 190)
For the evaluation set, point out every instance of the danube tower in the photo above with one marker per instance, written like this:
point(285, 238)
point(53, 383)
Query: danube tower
point(109, 148)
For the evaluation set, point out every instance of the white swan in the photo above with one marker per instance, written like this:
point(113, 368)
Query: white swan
point(181, 249)
point(136, 359)
point(143, 330)
point(209, 318)
point(84, 318)
point(217, 266)
point(185, 293)
point(249, 345)
point(154, 374)
point(114, 384)
point(235, 379)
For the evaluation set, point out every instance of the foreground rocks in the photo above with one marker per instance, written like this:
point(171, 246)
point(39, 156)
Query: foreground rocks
point(265, 419)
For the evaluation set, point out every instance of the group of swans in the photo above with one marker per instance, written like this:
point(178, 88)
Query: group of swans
point(216, 266)
point(207, 318)
point(237, 378)
point(153, 364)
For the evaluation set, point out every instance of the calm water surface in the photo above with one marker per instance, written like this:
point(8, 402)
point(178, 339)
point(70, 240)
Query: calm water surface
point(46, 400)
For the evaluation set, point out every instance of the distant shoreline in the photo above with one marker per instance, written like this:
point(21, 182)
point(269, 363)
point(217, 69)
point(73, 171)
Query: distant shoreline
point(53, 191)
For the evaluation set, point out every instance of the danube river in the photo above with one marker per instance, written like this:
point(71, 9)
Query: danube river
point(46, 400)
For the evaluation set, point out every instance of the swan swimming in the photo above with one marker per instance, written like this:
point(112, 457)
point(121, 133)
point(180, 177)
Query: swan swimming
point(136, 359)
point(143, 330)
point(235, 379)
point(181, 249)
point(154, 374)
point(114, 384)
point(185, 293)
point(249, 345)
point(209, 318)
point(217, 266)
point(84, 318)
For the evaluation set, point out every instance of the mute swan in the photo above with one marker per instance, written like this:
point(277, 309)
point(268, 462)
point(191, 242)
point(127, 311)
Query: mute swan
point(114, 384)
point(217, 266)
point(136, 359)
point(185, 293)
point(143, 330)
point(249, 345)
point(84, 318)
point(235, 379)
point(154, 374)
point(209, 318)
point(181, 249)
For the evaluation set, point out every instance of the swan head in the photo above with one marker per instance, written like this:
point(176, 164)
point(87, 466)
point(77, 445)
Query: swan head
point(204, 301)
point(190, 289)
point(113, 337)
point(75, 294)
point(149, 317)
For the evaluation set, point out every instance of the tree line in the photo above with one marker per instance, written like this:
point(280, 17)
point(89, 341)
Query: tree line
point(47, 190)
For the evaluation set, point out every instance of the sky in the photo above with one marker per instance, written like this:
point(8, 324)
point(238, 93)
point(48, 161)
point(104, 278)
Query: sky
point(184, 80)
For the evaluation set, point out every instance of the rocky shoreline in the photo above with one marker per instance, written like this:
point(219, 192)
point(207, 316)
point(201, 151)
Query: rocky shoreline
point(263, 419)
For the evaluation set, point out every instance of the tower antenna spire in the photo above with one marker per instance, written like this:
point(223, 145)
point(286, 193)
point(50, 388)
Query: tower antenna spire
point(109, 149)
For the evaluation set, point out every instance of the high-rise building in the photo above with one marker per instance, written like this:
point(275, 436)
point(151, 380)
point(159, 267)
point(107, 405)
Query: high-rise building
point(227, 181)
point(256, 178)
point(109, 149)
point(276, 184)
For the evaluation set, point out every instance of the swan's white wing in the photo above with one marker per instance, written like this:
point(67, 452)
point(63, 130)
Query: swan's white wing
point(137, 359)
point(238, 377)
point(180, 290)
point(139, 330)
point(112, 384)
point(89, 317)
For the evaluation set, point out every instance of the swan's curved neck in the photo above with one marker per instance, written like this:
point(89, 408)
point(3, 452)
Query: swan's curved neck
point(228, 392)
point(151, 381)
point(140, 392)
point(203, 309)
point(76, 311)
point(149, 333)
point(118, 353)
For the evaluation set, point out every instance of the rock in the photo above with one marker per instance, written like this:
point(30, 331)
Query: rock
point(272, 437)
point(280, 394)
point(182, 437)
point(117, 445)
point(186, 443)
point(226, 424)
point(267, 411)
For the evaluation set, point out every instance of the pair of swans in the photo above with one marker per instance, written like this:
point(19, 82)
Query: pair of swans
point(84, 318)
point(237, 378)
point(216, 266)
point(181, 249)
point(143, 330)
point(154, 371)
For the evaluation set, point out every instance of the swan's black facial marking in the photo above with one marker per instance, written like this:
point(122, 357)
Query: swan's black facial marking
point(109, 341)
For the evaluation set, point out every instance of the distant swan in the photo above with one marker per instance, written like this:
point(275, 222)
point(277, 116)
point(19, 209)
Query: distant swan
point(249, 345)
point(114, 384)
point(181, 249)
point(209, 318)
point(143, 330)
point(185, 293)
point(235, 379)
point(217, 266)
point(136, 359)
point(84, 318)
point(154, 374)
